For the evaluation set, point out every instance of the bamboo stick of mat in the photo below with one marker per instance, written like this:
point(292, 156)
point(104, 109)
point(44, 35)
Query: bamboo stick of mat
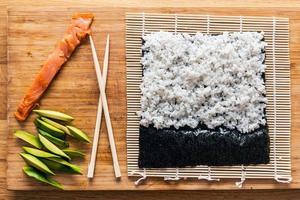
point(91, 167)
point(106, 112)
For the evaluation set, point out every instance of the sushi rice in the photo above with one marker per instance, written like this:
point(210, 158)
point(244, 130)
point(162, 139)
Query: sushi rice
point(216, 80)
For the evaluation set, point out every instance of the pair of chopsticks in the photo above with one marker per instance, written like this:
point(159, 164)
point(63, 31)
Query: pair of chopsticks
point(102, 103)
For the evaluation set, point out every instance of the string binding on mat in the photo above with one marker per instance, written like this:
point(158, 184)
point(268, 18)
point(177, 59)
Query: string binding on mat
point(278, 178)
point(241, 24)
point(207, 24)
point(143, 174)
point(176, 178)
point(143, 24)
point(143, 28)
point(208, 177)
point(274, 98)
point(239, 184)
point(175, 26)
point(281, 179)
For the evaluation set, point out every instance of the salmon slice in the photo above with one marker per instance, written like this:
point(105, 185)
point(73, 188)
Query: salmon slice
point(77, 30)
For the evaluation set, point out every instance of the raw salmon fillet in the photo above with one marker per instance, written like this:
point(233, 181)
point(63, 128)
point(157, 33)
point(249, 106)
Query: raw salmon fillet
point(77, 30)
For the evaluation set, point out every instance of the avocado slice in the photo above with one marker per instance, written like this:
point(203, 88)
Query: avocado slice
point(54, 115)
point(39, 153)
point(74, 153)
point(56, 125)
point(49, 128)
point(31, 172)
point(78, 134)
point(55, 165)
point(72, 167)
point(52, 148)
point(57, 141)
point(36, 163)
point(29, 138)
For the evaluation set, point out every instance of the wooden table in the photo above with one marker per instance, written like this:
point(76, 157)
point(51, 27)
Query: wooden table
point(274, 194)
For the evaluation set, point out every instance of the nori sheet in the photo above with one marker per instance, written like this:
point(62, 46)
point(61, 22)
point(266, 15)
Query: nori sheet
point(170, 147)
point(186, 146)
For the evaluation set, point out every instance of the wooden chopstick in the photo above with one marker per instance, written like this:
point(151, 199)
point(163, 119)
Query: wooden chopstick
point(106, 112)
point(92, 163)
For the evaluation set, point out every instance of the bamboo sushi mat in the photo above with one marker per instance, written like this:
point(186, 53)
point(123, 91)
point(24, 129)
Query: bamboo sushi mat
point(277, 86)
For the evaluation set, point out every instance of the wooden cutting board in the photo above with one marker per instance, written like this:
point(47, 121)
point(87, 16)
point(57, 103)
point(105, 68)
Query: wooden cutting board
point(32, 35)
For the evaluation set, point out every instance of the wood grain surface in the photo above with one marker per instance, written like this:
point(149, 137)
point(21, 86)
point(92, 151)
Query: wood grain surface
point(261, 194)
point(75, 91)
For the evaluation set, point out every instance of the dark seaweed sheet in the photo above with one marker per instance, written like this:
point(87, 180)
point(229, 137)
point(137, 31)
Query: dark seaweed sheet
point(170, 147)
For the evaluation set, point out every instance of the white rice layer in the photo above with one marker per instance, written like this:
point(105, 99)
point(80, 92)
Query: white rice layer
point(214, 80)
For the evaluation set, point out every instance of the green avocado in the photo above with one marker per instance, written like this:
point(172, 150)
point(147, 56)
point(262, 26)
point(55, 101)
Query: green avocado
point(54, 115)
point(56, 125)
point(52, 148)
point(49, 128)
point(57, 141)
point(39, 153)
point(31, 172)
point(57, 166)
point(78, 134)
point(72, 168)
point(74, 153)
point(29, 138)
point(36, 163)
